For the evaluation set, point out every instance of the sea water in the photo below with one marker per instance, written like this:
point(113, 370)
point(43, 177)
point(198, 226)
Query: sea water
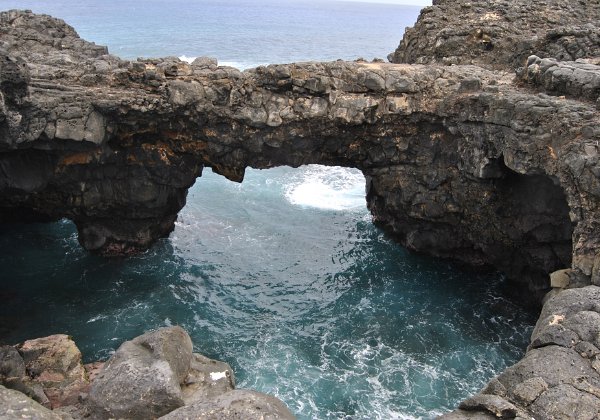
point(283, 276)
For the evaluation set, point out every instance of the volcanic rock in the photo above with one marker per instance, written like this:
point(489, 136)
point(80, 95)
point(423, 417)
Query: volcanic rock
point(15, 405)
point(468, 161)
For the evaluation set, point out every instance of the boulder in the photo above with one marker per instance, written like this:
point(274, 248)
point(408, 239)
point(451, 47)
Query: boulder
point(142, 379)
point(15, 405)
point(11, 363)
point(173, 345)
point(566, 402)
point(54, 363)
point(234, 405)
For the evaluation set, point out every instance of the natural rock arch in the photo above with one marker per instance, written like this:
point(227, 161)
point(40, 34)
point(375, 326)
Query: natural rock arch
point(447, 151)
point(114, 146)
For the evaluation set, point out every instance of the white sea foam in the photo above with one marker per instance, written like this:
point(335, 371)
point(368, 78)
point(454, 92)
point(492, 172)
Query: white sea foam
point(237, 64)
point(186, 58)
point(328, 188)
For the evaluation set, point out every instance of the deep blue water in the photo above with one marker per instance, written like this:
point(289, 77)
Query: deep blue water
point(283, 276)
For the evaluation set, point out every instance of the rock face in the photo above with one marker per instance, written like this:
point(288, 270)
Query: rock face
point(238, 404)
point(501, 33)
point(142, 379)
point(461, 161)
point(466, 161)
point(152, 375)
point(48, 369)
point(559, 377)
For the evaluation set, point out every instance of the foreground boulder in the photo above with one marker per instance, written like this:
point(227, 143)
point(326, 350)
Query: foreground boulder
point(234, 405)
point(142, 379)
point(16, 405)
point(48, 369)
point(54, 363)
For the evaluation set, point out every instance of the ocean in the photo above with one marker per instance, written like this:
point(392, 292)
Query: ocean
point(284, 276)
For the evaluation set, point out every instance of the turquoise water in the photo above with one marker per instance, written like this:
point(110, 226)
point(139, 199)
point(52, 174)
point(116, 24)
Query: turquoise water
point(283, 276)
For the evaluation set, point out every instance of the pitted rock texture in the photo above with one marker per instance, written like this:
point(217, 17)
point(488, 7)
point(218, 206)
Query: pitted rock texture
point(501, 33)
point(15, 405)
point(460, 162)
point(577, 79)
point(466, 162)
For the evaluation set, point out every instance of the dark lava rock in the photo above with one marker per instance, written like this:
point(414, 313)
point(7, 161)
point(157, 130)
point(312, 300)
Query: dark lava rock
point(463, 161)
point(501, 33)
point(11, 363)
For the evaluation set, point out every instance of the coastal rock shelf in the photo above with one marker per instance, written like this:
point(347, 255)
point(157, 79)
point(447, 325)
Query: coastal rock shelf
point(468, 161)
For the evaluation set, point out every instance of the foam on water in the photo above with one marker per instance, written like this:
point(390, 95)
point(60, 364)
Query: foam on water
point(314, 306)
point(240, 65)
point(327, 188)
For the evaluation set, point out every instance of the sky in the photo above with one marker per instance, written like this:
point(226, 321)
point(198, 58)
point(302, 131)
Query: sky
point(407, 2)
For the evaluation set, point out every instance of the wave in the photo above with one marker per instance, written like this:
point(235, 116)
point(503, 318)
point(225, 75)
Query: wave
point(240, 65)
point(328, 188)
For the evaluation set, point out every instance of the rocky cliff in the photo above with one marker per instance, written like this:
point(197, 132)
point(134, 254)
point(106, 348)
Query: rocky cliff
point(470, 161)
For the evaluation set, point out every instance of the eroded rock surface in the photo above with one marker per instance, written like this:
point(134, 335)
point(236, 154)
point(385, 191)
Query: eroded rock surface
point(234, 405)
point(501, 33)
point(16, 405)
point(559, 377)
point(460, 161)
point(468, 161)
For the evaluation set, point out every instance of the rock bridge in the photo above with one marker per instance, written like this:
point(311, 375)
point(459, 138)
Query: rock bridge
point(460, 161)
point(463, 161)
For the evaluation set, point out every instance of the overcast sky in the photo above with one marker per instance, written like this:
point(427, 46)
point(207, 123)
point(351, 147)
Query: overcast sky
point(413, 2)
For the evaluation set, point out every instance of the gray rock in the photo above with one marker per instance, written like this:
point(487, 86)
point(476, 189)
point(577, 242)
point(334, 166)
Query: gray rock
point(571, 78)
point(207, 379)
point(566, 402)
point(553, 364)
point(527, 391)
point(587, 350)
point(142, 379)
point(560, 278)
point(15, 405)
point(463, 414)
point(205, 62)
point(500, 34)
point(570, 315)
point(11, 363)
point(493, 404)
point(173, 345)
point(234, 405)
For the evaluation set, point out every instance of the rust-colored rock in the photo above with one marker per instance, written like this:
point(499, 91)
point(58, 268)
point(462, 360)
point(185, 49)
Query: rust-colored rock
point(54, 362)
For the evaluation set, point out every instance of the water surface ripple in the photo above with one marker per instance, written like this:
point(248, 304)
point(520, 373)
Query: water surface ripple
point(305, 298)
